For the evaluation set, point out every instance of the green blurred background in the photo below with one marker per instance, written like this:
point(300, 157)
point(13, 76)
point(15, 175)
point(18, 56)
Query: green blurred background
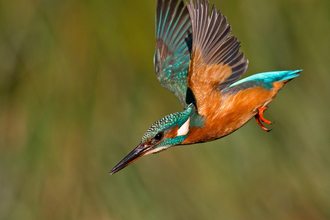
point(78, 90)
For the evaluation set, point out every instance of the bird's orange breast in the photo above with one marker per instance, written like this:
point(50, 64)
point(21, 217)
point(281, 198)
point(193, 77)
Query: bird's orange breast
point(226, 113)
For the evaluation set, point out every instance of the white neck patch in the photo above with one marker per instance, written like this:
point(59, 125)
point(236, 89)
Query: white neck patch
point(183, 130)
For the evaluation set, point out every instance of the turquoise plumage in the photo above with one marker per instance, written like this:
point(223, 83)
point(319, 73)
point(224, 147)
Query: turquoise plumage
point(269, 77)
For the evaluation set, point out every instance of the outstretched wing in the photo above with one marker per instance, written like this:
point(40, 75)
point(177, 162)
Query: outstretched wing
point(173, 48)
point(216, 61)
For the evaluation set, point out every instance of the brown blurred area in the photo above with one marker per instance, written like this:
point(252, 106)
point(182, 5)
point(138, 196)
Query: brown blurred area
point(78, 90)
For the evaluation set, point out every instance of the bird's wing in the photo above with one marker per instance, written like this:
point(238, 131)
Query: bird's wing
point(173, 48)
point(216, 60)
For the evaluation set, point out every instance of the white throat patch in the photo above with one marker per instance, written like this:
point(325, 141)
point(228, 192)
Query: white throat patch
point(158, 149)
point(183, 130)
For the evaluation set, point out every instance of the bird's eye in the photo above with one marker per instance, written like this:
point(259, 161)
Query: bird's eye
point(159, 136)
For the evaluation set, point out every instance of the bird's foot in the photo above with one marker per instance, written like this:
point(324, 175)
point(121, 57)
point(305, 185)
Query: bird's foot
point(261, 112)
point(259, 117)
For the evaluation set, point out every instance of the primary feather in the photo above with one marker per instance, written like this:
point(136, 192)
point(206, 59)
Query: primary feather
point(173, 48)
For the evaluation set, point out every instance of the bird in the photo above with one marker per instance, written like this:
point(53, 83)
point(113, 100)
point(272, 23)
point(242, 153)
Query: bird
point(200, 62)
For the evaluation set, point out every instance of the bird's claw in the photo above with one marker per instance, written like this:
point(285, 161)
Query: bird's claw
point(259, 117)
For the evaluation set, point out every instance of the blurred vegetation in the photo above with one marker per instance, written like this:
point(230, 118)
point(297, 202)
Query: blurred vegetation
point(78, 90)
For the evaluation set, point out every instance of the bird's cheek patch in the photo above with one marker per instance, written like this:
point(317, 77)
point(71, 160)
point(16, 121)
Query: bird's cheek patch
point(172, 132)
point(183, 130)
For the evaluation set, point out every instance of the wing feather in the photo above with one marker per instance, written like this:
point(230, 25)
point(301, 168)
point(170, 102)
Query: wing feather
point(216, 60)
point(211, 38)
point(173, 48)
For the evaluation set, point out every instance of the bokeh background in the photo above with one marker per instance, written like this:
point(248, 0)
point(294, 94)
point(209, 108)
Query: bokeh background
point(78, 90)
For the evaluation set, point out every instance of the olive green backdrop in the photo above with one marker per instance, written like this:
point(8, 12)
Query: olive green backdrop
point(78, 90)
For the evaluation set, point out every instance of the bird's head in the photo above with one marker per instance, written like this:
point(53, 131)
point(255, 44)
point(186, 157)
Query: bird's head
point(164, 133)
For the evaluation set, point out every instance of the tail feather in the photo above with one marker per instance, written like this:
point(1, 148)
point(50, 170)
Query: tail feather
point(269, 77)
point(285, 75)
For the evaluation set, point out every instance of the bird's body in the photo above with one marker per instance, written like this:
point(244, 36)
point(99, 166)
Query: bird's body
point(198, 60)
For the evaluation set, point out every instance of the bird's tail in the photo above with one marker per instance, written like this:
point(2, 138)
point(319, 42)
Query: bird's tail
point(268, 78)
point(284, 75)
point(280, 78)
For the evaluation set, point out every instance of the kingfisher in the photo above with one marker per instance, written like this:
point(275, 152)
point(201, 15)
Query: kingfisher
point(199, 61)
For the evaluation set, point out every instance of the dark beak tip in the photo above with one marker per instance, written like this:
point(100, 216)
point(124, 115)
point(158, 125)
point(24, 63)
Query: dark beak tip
point(115, 170)
point(131, 157)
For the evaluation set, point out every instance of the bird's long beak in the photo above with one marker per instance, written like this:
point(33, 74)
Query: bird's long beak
point(139, 151)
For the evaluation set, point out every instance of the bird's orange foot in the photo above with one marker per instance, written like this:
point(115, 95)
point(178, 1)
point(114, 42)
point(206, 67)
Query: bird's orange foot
point(259, 117)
